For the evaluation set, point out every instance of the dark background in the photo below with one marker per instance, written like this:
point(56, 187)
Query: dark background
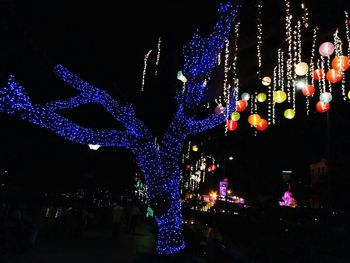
point(104, 42)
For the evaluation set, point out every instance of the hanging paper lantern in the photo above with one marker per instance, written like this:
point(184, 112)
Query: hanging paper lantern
point(231, 125)
point(349, 95)
point(322, 107)
point(334, 76)
point(262, 125)
point(261, 97)
point(326, 97)
point(195, 148)
point(235, 116)
point(181, 77)
point(219, 109)
point(326, 49)
point(254, 119)
point(289, 114)
point(318, 74)
point(241, 105)
point(266, 81)
point(340, 63)
point(279, 96)
point(212, 168)
point(245, 96)
point(308, 90)
point(301, 69)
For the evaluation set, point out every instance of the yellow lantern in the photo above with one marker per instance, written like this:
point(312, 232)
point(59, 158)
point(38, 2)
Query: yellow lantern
point(235, 116)
point(266, 81)
point(181, 77)
point(349, 95)
point(195, 148)
point(301, 69)
point(254, 119)
point(289, 114)
point(261, 97)
point(279, 96)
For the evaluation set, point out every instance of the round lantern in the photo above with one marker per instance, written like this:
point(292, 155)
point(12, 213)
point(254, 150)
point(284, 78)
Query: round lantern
point(279, 96)
point(241, 105)
point(261, 97)
point(308, 90)
point(235, 116)
point(349, 95)
point(322, 107)
point(340, 63)
point(195, 148)
point(231, 125)
point(212, 168)
point(334, 76)
point(254, 119)
point(301, 69)
point(245, 96)
point(326, 97)
point(262, 125)
point(219, 109)
point(318, 74)
point(266, 81)
point(326, 49)
point(289, 114)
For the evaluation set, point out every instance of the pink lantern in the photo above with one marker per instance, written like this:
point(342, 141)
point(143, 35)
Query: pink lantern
point(326, 49)
point(219, 109)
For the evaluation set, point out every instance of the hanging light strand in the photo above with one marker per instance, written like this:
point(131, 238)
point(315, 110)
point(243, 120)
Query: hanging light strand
point(259, 39)
point(144, 69)
point(305, 17)
point(313, 48)
point(347, 30)
point(158, 55)
point(273, 91)
point(226, 86)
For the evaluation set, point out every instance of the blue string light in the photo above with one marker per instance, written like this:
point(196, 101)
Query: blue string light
point(159, 164)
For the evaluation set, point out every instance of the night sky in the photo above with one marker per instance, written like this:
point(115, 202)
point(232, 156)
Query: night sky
point(104, 42)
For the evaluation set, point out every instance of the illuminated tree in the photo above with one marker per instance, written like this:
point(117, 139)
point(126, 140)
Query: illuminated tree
point(159, 164)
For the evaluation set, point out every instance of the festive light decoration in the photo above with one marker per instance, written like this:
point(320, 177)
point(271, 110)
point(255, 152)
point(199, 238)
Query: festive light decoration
point(158, 55)
point(322, 107)
point(158, 163)
point(94, 146)
point(340, 63)
point(325, 97)
point(245, 96)
point(254, 119)
point(235, 116)
point(308, 90)
point(195, 148)
point(266, 81)
point(289, 114)
point(279, 96)
point(288, 200)
point(334, 76)
point(326, 49)
point(259, 39)
point(261, 97)
point(231, 125)
point(144, 69)
point(262, 125)
point(301, 69)
point(241, 105)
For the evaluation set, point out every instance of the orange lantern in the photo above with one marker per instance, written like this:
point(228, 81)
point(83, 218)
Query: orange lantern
point(241, 105)
point(254, 119)
point(322, 107)
point(334, 76)
point(231, 125)
point(318, 74)
point(262, 125)
point(340, 63)
point(308, 90)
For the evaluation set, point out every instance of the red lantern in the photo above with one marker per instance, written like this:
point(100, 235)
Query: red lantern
point(262, 125)
point(340, 63)
point(322, 107)
point(231, 125)
point(308, 90)
point(212, 168)
point(318, 74)
point(334, 76)
point(241, 105)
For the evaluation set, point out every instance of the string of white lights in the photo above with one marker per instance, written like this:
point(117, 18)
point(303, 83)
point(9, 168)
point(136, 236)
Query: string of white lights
point(259, 39)
point(313, 48)
point(144, 69)
point(158, 55)
point(347, 32)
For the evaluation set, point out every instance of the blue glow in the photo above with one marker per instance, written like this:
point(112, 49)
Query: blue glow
point(159, 164)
